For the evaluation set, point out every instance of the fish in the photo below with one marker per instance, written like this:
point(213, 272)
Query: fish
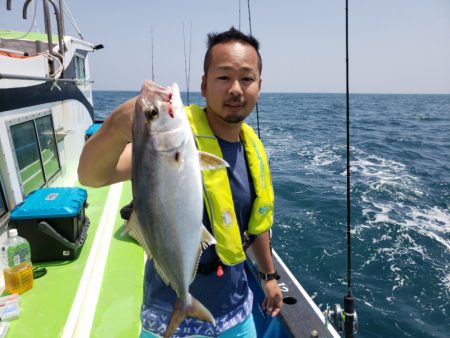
point(168, 195)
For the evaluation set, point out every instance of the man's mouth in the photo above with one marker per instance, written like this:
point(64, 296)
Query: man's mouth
point(234, 104)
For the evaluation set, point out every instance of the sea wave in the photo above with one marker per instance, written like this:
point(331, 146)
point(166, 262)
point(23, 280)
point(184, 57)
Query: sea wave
point(400, 201)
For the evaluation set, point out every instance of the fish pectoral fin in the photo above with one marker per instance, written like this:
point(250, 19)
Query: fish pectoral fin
point(210, 161)
point(133, 229)
point(207, 238)
point(180, 311)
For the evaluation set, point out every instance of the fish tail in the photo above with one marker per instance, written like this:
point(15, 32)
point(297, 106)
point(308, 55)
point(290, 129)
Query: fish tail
point(181, 310)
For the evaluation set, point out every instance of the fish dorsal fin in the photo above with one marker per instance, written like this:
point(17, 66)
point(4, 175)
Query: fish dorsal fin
point(210, 161)
point(133, 229)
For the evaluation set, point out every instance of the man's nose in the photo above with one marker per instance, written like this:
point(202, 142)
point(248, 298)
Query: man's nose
point(235, 88)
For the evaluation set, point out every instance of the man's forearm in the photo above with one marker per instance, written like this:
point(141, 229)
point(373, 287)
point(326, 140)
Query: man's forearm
point(263, 255)
point(103, 159)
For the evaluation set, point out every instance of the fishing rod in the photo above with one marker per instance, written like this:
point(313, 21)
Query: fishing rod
point(153, 73)
point(187, 70)
point(346, 321)
point(350, 322)
point(239, 14)
point(250, 26)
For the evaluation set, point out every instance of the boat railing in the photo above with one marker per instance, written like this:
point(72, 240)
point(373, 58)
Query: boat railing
point(42, 78)
point(58, 9)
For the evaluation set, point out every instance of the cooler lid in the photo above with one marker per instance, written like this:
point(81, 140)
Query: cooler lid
point(50, 203)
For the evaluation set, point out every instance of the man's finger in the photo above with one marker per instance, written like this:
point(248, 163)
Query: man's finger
point(277, 306)
point(270, 304)
point(264, 304)
point(276, 311)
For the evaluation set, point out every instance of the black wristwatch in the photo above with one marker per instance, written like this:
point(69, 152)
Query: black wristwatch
point(269, 276)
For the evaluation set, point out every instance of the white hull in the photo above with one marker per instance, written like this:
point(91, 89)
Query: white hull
point(29, 93)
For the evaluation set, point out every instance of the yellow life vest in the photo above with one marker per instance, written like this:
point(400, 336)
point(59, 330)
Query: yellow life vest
point(217, 191)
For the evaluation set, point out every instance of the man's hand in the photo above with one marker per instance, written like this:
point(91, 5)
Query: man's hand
point(121, 119)
point(111, 143)
point(274, 298)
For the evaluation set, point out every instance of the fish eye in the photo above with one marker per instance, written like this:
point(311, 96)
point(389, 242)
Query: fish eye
point(151, 113)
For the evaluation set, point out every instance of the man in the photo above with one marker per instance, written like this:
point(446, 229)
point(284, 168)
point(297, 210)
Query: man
point(231, 86)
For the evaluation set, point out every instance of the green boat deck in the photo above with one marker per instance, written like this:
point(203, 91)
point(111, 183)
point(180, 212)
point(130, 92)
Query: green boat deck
point(96, 295)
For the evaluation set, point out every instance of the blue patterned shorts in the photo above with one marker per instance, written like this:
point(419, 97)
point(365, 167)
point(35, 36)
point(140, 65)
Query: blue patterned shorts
point(245, 329)
point(155, 320)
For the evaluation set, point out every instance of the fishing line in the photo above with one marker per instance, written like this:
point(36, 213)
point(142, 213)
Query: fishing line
point(256, 105)
point(71, 19)
point(33, 25)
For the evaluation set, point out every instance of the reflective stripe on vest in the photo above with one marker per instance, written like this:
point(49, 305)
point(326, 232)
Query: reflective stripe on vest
point(217, 191)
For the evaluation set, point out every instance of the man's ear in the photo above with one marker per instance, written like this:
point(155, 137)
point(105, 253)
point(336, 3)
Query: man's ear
point(260, 81)
point(203, 85)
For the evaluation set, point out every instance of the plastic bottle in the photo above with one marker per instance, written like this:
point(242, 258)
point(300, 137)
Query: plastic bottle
point(17, 270)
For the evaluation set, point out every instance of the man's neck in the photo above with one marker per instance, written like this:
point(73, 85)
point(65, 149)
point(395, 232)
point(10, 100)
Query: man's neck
point(226, 131)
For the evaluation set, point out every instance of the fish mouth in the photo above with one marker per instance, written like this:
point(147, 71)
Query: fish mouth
point(174, 93)
point(170, 106)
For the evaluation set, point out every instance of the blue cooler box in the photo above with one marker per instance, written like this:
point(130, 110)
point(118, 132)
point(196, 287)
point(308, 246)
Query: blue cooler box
point(92, 130)
point(53, 221)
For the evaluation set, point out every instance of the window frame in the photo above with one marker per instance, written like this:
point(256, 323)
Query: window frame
point(3, 199)
point(79, 57)
point(33, 118)
point(55, 142)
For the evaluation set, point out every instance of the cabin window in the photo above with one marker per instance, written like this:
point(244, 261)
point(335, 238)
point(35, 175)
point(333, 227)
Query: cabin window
point(36, 152)
point(79, 67)
point(3, 205)
point(47, 142)
point(27, 155)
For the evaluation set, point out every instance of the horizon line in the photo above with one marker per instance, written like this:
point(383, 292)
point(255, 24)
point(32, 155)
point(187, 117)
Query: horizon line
point(290, 92)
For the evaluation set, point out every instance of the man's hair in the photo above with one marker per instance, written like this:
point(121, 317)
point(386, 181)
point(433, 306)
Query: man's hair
point(231, 35)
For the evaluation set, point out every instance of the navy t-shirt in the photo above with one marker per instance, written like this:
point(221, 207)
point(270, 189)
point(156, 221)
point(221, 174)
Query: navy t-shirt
point(219, 295)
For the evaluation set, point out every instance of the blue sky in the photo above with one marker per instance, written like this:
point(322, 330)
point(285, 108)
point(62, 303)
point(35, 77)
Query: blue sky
point(396, 46)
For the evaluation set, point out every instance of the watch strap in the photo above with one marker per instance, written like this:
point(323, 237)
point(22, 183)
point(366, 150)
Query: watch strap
point(269, 276)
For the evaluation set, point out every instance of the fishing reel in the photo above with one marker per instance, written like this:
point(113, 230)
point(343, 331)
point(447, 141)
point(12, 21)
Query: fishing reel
point(343, 321)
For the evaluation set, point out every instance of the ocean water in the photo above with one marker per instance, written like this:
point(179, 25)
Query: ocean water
point(400, 202)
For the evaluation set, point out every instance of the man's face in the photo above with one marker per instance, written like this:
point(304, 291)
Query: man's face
point(231, 86)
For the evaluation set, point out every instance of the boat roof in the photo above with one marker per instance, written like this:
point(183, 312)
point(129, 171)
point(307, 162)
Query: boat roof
point(32, 36)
